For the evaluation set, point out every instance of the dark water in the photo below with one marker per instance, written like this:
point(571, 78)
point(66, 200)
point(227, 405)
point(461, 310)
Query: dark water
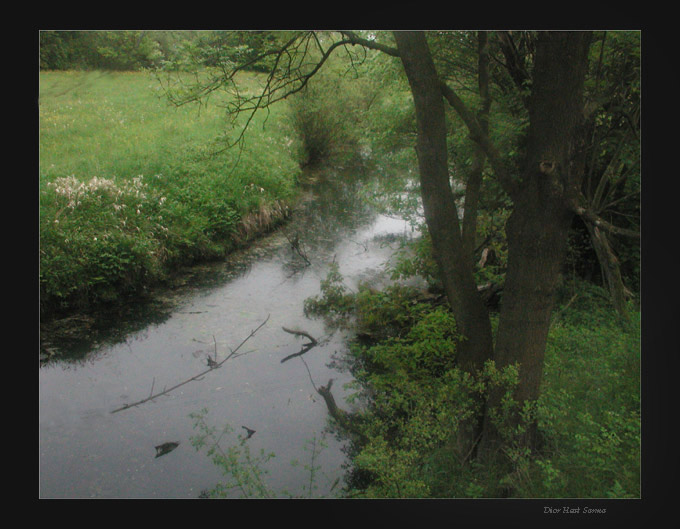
point(88, 452)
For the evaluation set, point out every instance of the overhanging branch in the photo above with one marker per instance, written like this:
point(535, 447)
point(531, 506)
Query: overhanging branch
point(478, 136)
point(353, 38)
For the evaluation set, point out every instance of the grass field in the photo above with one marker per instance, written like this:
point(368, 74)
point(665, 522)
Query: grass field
point(129, 185)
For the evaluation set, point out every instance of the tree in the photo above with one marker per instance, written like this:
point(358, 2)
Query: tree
point(107, 50)
point(548, 70)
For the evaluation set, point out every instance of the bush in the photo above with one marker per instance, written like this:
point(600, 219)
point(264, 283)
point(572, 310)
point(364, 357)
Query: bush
point(418, 408)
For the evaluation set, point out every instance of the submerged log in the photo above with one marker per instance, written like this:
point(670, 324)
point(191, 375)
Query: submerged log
point(341, 416)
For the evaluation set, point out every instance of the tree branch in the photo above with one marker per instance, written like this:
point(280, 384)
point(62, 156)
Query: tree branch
point(477, 135)
point(513, 62)
point(340, 415)
point(353, 38)
point(474, 182)
point(214, 365)
point(306, 347)
point(589, 216)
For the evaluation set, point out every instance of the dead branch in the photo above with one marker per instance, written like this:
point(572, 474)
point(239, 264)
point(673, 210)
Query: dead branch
point(232, 354)
point(301, 333)
point(590, 217)
point(306, 347)
point(340, 415)
point(295, 246)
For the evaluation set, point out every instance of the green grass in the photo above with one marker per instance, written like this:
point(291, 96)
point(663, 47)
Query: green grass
point(129, 186)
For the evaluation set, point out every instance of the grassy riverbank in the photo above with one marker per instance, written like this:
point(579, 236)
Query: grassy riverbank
point(130, 189)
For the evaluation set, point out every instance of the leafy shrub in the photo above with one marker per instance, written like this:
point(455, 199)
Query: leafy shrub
point(589, 409)
point(418, 409)
point(334, 303)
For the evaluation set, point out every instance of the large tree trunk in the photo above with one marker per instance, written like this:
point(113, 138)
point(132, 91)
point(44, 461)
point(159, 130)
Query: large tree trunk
point(453, 259)
point(538, 228)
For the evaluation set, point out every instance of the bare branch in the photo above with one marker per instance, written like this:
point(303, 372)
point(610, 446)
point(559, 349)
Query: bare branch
point(589, 216)
point(214, 365)
point(301, 333)
point(306, 347)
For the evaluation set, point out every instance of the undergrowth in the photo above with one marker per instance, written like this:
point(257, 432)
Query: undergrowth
point(417, 406)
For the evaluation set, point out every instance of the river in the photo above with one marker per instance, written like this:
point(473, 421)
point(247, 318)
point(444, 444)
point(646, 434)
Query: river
point(86, 451)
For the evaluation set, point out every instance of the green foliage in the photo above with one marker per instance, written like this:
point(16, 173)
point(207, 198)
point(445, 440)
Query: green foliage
point(418, 408)
point(415, 398)
point(388, 127)
point(426, 350)
point(374, 314)
point(491, 237)
point(108, 50)
point(334, 303)
point(415, 259)
point(225, 48)
point(246, 474)
point(326, 115)
point(130, 189)
point(590, 403)
point(387, 313)
point(416, 420)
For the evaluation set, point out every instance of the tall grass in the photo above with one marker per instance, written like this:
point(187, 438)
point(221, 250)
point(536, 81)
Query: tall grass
point(130, 187)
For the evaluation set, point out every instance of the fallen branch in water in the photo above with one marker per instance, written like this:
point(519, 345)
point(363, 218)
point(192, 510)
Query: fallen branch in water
point(295, 246)
point(341, 416)
point(213, 365)
point(301, 333)
point(306, 347)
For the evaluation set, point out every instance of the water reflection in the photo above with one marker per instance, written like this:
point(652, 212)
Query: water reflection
point(331, 210)
point(86, 451)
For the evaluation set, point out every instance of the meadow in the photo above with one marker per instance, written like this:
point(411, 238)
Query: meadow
point(131, 187)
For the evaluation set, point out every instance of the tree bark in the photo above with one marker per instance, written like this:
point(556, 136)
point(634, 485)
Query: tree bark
point(474, 182)
point(538, 227)
point(441, 214)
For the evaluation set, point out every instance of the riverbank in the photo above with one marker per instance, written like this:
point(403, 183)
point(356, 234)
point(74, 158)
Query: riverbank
point(87, 451)
point(131, 190)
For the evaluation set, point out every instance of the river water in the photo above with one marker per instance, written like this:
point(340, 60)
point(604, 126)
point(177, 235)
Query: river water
point(86, 451)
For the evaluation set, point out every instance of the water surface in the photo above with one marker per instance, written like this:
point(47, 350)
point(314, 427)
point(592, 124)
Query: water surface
point(88, 452)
